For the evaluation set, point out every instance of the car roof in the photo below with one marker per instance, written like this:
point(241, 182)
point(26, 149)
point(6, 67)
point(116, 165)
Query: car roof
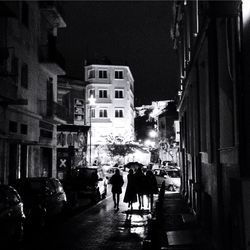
point(27, 179)
point(4, 188)
point(87, 168)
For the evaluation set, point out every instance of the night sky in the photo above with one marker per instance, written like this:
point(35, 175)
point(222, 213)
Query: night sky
point(136, 34)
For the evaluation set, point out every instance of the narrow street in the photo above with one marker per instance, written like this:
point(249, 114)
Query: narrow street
point(98, 227)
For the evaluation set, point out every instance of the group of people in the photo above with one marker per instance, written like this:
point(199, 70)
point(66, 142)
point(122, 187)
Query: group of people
point(139, 185)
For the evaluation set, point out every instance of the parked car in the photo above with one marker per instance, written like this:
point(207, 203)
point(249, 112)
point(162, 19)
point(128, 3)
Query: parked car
point(44, 199)
point(171, 178)
point(12, 216)
point(86, 183)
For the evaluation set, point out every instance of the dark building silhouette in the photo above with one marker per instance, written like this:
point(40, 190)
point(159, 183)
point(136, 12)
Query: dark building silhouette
point(212, 41)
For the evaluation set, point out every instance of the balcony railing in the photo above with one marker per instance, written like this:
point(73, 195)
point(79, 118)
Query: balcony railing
point(103, 100)
point(54, 13)
point(52, 57)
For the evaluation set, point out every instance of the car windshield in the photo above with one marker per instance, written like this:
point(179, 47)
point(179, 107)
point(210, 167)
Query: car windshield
point(31, 187)
point(86, 174)
point(83, 173)
point(173, 174)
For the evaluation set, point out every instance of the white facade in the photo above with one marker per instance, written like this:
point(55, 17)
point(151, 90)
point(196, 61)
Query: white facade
point(113, 111)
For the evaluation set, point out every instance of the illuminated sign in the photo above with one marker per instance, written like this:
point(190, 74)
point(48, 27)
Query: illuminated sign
point(76, 139)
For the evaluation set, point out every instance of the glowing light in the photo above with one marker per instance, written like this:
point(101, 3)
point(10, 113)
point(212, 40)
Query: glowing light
point(152, 133)
point(246, 11)
point(149, 143)
point(92, 100)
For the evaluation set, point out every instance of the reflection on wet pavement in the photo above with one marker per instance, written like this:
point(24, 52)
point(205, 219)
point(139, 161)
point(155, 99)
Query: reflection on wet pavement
point(99, 227)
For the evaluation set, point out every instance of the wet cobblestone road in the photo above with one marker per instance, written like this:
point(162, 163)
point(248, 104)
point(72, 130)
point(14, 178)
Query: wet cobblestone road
point(98, 227)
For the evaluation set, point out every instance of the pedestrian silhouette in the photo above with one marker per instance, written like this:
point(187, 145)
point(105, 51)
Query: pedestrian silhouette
point(140, 180)
point(116, 181)
point(151, 188)
point(130, 193)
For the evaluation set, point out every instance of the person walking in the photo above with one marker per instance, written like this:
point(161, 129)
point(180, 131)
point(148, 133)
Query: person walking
point(140, 180)
point(151, 188)
point(117, 182)
point(130, 193)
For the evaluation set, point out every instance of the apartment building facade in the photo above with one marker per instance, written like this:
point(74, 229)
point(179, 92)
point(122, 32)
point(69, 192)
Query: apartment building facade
point(211, 38)
point(29, 111)
point(112, 114)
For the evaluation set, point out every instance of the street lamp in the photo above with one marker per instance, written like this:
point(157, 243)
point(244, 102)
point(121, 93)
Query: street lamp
point(91, 100)
point(152, 133)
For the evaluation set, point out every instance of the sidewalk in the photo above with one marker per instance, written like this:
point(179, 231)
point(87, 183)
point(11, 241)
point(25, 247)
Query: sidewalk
point(173, 226)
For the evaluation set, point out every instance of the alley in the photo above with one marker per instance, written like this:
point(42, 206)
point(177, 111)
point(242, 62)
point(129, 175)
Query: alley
point(98, 227)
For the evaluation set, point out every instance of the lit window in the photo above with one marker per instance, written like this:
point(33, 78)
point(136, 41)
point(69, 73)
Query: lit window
point(103, 74)
point(103, 113)
point(118, 74)
point(118, 113)
point(119, 94)
point(103, 93)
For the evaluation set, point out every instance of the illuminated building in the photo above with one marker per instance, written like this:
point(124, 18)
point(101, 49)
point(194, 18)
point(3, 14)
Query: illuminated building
point(113, 113)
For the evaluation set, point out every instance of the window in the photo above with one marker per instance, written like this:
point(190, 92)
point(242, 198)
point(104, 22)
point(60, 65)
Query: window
point(25, 14)
point(14, 68)
point(92, 92)
point(119, 113)
point(118, 74)
point(46, 134)
point(103, 93)
point(24, 75)
point(103, 113)
point(13, 127)
point(103, 74)
point(92, 113)
point(119, 94)
point(24, 129)
point(91, 74)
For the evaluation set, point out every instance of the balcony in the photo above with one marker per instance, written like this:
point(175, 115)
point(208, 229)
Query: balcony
point(52, 59)
point(53, 110)
point(103, 100)
point(53, 12)
point(61, 111)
